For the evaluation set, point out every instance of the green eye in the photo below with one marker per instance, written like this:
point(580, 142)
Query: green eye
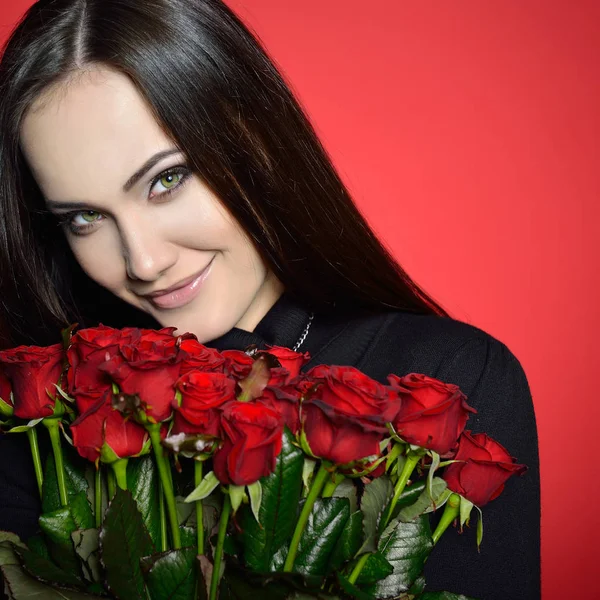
point(90, 216)
point(170, 180)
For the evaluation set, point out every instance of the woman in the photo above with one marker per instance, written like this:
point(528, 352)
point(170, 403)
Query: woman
point(156, 170)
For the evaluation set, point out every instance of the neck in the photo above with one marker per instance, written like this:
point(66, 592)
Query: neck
point(266, 297)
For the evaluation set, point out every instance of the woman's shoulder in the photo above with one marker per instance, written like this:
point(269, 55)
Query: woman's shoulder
point(454, 351)
point(428, 341)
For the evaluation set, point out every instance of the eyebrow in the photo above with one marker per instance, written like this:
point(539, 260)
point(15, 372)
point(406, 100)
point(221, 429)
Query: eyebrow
point(149, 164)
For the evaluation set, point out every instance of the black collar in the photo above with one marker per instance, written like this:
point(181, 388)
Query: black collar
point(283, 325)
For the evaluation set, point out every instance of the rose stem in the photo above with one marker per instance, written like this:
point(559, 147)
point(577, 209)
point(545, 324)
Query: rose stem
point(412, 459)
point(214, 581)
point(332, 484)
point(199, 511)
point(163, 471)
point(35, 454)
point(119, 468)
point(163, 518)
point(409, 465)
point(358, 568)
point(111, 484)
point(313, 494)
point(98, 496)
point(450, 513)
point(52, 427)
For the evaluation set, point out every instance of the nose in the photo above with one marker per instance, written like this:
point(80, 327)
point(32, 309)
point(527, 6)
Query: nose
point(148, 254)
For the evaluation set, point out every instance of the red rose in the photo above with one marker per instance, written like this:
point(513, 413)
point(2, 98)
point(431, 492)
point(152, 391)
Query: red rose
point(202, 397)
point(486, 467)
point(5, 388)
point(147, 364)
point(237, 364)
point(200, 358)
point(345, 418)
point(285, 400)
point(290, 360)
point(93, 346)
point(6, 403)
point(432, 414)
point(251, 443)
point(88, 349)
point(32, 372)
point(102, 429)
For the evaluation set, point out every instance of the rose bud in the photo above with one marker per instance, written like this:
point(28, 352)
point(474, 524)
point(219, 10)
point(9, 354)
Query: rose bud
point(432, 414)
point(147, 365)
point(344, 416)
point(484, 467)
point(251, 443)
point(200, 358)
point(102, 433)
point(289, 360)
point(237, 364)
point(33, 372)
point(203, 395)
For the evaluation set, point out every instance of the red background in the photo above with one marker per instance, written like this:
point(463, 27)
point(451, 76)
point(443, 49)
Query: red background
point(469, 133)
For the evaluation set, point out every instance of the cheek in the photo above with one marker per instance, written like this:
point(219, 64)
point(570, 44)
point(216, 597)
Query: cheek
point(100, 259)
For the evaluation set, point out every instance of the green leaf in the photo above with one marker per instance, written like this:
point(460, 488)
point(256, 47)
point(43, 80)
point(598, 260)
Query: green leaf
point(443, 596)
point(321, 534)
point(418, 586)
point(255, 493)
point(430, 497)
point(236, 495)
point(241, 584)
point(74, 478)
point(171, 575)
point(433, 467)
point(37, 544)
point(142, 481)
point(376, 568)
point(24, 428)
point(308, 468)
point(58, 526)
point(188, 536)
point(376, 497)
point(86, 544)
point(479, 527)
point(406, 547)
point(45, 570)
point(347, 489)
point(6, 409)
point(7, 552)
point(352, 591)
point(348, 543)
point(254, 384)
point(81, 510)
point(208, 484)
point(21, 586)
point(123, 541)
point(466, 506)
point(281, 492)
point(409, 495)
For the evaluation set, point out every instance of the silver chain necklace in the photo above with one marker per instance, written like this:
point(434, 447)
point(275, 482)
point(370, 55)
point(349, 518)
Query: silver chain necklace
point(304, 333)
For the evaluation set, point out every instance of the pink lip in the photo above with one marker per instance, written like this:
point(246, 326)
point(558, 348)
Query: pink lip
point(181, 293)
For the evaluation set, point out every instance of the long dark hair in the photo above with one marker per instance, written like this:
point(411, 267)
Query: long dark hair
point(218, 95)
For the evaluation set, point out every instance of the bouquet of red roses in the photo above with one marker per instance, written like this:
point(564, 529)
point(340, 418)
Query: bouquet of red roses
point(205, 474)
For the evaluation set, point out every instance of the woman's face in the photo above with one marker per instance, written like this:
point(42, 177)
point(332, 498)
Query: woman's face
point(138, 221)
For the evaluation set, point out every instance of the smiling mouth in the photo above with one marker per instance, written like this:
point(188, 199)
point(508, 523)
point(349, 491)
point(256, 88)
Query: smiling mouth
point(181, 293)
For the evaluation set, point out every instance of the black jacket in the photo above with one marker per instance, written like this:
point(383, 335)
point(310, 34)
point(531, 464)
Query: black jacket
point(508, 566)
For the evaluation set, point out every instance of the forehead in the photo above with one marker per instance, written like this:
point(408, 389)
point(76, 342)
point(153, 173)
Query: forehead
point(85, 137)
